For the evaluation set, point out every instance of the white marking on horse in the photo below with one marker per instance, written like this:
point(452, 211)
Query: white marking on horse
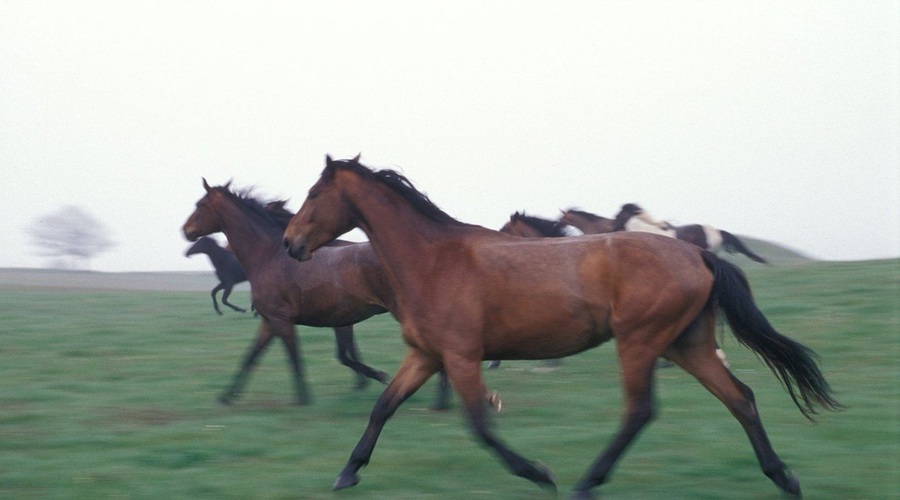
point(714, 238)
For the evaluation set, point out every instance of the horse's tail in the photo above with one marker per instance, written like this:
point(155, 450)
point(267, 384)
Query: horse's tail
point(793, 363)
point(732, 244)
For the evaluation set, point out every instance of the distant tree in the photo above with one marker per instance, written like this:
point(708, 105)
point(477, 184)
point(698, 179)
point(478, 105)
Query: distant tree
point(71, 235)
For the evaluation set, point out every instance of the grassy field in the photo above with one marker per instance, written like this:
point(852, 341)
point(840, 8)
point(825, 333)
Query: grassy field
point(109, 392)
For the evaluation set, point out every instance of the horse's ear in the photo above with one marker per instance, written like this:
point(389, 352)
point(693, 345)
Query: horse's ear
point(227, 185)
point(205, 185)
point(356, 158)
point(328, 173)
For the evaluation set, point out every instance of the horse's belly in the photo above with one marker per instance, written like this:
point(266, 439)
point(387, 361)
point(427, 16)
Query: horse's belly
point(544, 340)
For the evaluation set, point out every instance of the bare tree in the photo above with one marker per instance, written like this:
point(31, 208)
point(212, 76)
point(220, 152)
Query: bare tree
point(71, 234)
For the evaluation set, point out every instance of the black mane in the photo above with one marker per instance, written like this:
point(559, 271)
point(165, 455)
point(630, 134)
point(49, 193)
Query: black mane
point(402, 186)
point(546, 227)
point(270, 212)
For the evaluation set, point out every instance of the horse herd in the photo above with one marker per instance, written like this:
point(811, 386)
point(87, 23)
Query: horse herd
point(463, 294)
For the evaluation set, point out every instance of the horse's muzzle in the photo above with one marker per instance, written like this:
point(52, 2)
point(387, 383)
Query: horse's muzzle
point(298, 250)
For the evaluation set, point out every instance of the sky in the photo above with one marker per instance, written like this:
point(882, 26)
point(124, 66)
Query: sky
point(772, 119)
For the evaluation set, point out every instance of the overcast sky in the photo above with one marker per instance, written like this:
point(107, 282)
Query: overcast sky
point(778, 120)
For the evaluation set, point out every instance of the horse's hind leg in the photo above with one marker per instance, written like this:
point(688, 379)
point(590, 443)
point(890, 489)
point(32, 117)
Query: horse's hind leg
point(213, 295)
point(348, 356)
point(637, 381)
point(701, 361)
point(465, 375)
point(416, 368)
point(225, 294)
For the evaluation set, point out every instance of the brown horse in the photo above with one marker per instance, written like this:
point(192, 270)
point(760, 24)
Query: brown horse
point(587, 222)
point(465, 293)
point(342, 289)
point(227, 267)
point(631, 217)
point(529, 226)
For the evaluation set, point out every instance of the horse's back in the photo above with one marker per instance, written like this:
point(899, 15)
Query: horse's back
point(584, 285)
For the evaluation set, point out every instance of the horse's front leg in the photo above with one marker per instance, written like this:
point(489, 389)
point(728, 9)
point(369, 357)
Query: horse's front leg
point(288, 335)
point(465, 375)
point(263, 337)
point(415, 369)
point(348, 356)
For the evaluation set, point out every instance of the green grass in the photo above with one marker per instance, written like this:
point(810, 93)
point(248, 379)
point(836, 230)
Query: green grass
point(111, 394)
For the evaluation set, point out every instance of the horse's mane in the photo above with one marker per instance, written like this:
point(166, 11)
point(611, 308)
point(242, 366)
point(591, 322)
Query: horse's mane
point(546, 227)
point(270, 212)
point(400, 185)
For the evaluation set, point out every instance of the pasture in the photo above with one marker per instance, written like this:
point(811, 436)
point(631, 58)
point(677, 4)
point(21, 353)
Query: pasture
point(108, 386)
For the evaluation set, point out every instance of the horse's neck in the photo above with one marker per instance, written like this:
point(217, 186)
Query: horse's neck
point(590, 226)
point(402, 238)
point(582, 223)
point(252, 243)
point(217, 255)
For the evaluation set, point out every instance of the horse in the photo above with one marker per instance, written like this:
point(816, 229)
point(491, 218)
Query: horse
point(465, 293)
point(587, 222)
point(530, 226)
point(632, 217)
point(342, 289)
point(228, 269)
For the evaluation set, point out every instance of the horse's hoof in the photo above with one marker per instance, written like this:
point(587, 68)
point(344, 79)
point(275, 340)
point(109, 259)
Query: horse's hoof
point(541, 475)
point(345, 481)
point(786, 481)
point(382, 377)
point(226, 399)
point(790, 485)
point(581, 495)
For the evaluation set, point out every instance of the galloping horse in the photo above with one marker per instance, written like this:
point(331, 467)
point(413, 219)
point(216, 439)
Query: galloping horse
point(465, 293)
point(631, 217)
point(228, 269)
point(530, 226)
point(345, 287)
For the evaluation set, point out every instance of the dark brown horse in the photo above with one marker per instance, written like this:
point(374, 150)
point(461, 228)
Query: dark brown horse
point(343, 288)
point(631, 217)
point(228, 269)
point(529, 226)
point(465, 293)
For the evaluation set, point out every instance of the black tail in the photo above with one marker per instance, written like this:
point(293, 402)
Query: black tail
point(732, 244)
point(793, 363)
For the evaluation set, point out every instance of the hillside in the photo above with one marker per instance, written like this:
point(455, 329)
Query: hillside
point(199, 280)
